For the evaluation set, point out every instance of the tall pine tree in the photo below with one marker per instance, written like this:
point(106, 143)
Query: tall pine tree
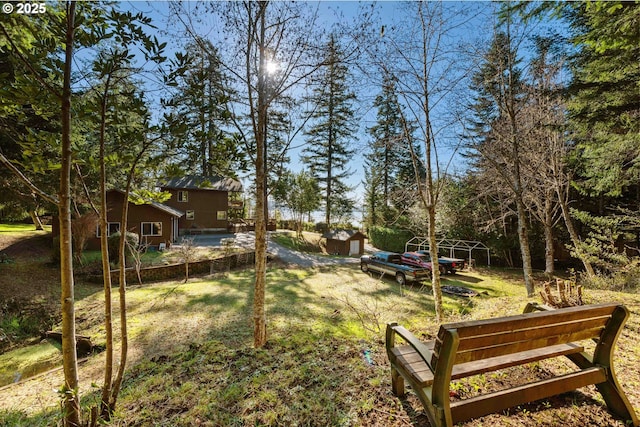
point(385, 150)
point(498, 129)
point(604, 105)
point(392, 192)
point(328, 151)
point(201, 104)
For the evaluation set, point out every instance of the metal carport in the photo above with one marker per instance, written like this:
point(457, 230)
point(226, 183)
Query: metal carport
point(422, 243)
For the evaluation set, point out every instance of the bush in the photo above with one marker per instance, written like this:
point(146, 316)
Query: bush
point(321, 227)
point(287, 224)
point(114, 241)
point(627, 278)
point(389, 239)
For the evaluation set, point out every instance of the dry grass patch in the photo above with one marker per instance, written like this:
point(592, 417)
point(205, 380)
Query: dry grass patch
point(309, 242)
point(192, 362)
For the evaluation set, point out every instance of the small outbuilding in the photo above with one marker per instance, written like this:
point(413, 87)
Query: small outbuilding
point(345, 242)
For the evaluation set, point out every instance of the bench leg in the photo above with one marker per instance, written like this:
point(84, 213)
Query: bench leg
point(397, 383)
point(617, 401)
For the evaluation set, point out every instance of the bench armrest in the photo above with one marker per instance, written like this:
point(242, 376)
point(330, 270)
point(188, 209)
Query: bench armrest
point(423, 351)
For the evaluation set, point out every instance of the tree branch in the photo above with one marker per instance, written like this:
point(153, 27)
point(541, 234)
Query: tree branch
point(27, 181)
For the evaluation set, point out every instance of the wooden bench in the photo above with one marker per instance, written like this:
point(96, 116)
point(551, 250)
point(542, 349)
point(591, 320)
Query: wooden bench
point(471, 348)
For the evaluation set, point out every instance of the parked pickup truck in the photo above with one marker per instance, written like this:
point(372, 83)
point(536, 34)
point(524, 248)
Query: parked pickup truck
point(416, 259)
point(449, 265)
point(391, 263)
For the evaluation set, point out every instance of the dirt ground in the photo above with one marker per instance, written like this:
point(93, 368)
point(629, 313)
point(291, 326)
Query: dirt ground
point(16, 247)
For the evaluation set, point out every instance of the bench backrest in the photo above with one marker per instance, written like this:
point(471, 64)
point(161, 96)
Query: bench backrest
point(477, 340)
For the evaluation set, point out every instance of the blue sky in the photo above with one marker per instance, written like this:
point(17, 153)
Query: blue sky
point(475, 32)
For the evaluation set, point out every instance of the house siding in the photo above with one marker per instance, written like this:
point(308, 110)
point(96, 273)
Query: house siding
point(205, 205)
point(137, 214)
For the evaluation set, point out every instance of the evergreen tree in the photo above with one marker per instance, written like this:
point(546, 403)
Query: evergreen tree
point(372, 196)
point(328, 151)
point(603, 108)
point(499, 126)
point(604, 104)
point(389, 158)
point(604, 113)
point(201, 144)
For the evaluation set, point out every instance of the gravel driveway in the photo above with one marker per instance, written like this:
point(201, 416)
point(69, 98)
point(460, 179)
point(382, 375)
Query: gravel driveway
point(247, 240)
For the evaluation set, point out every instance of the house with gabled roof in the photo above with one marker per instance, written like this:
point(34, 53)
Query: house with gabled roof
point(204, 200)
point(155, 223)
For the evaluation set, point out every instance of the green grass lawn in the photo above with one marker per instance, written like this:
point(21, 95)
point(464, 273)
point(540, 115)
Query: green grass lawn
point(19, 228)
point(191, 360)
point(309, 242)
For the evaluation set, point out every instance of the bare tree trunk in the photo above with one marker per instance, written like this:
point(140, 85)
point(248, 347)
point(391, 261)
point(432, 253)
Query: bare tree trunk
point(435, 265)
point(36, 220)
point(514, 112)
point(259, 312)
point(524, 247)
point(261, 36)
point(549, 251)
point(71, 399)
point(105, 411)
point(428, 199)
point(122, 289)
point(122, 295)
point(299, 224)
point(575, 238)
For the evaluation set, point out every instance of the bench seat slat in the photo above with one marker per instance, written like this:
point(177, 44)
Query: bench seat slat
point(414, 364)
point(409, 359)
point(498, 401)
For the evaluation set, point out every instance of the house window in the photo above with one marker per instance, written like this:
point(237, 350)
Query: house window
point(183, 196)
point(191, 215)
point(221, 215)
point(112, 228)
point(151, 228)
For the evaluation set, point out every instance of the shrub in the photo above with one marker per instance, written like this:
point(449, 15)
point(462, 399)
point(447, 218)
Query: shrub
point(321, 227)
point(114, 241)
point(389, 239)
point(626, 278)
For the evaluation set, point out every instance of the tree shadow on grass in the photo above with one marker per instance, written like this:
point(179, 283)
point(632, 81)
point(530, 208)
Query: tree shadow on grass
point(544, 412)
point(482, 290)
point(463, 278)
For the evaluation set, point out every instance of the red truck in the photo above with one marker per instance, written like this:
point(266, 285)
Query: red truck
point(423, 259)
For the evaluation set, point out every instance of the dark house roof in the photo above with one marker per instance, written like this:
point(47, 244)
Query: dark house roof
point(343, 235)
point(195, 182)
point(167, 209)
point(161, 207)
